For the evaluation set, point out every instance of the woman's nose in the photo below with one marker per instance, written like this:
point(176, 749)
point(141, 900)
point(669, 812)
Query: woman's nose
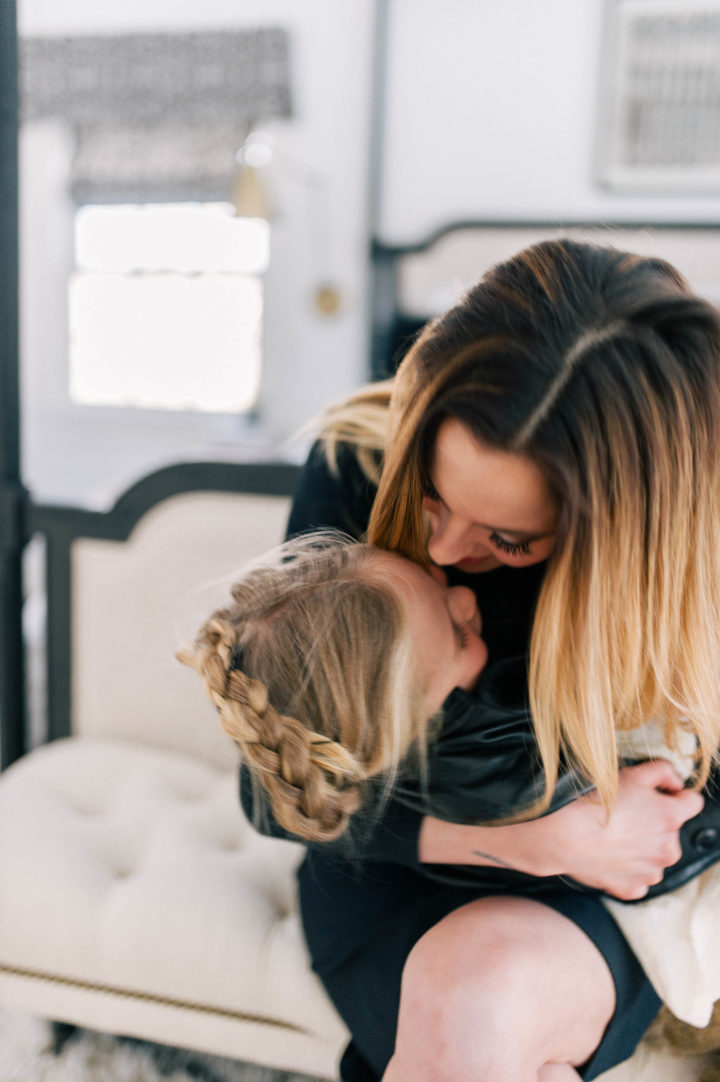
point(449, 541)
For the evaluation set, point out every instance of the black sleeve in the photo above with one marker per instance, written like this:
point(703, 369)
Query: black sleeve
point(391, 837)
point(325, 498)
point(484, 764)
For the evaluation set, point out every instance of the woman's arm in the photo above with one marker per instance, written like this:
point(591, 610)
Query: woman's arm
point(622, 854)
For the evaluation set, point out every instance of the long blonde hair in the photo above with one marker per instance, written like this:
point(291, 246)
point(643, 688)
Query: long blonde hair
point(312, 671)
point(604, 369)
point(363, 421)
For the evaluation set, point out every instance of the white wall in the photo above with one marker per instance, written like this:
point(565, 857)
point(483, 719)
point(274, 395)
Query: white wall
point(309, 359)
point(491, 113)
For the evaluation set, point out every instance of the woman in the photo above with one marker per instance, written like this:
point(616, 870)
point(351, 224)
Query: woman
point(557, 430)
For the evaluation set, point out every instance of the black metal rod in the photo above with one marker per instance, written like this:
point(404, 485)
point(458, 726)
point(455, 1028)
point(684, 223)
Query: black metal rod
point(12, 494)
point(381, 284)
point(9, 305)
point(59, 657)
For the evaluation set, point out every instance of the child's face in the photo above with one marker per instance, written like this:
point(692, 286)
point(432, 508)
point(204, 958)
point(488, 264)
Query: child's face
point(446, 626)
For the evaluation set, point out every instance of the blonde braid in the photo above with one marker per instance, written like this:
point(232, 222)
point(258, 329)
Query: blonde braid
point(313, 782)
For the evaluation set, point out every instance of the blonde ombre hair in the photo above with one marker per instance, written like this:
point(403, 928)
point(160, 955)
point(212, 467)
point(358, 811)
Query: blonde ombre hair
point(312, 671)
point(363, 421)
point(604, 369)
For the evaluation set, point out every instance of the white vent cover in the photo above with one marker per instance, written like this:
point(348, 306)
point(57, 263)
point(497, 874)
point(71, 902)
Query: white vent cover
point(660, 96)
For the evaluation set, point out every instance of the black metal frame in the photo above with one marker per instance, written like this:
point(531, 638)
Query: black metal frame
point(61, 526)
point(13, 497)
point(393, 330)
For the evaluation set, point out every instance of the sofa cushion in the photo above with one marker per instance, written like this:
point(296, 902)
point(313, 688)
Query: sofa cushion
point(132, 868)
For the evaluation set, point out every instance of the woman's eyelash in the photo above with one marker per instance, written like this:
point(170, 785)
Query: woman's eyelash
point(462, 635)
point(513, 548)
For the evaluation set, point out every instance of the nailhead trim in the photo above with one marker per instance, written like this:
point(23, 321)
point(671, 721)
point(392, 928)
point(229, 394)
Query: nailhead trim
point(148, 997)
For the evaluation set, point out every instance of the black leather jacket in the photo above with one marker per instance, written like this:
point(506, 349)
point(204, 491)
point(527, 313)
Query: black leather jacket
point(484, 764)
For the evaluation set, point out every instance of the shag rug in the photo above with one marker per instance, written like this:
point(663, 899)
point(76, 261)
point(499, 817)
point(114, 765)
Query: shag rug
point(27, 1055)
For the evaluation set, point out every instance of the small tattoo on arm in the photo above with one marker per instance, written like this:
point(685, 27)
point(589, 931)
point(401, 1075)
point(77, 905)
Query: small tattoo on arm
point(493, 859)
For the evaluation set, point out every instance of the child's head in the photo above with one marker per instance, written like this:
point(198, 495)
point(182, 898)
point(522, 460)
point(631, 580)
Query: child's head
point(327, 668)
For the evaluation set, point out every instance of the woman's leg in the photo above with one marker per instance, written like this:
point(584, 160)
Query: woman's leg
point(503, 989)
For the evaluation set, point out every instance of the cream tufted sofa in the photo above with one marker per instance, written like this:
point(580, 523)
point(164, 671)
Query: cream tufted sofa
point(135, 898)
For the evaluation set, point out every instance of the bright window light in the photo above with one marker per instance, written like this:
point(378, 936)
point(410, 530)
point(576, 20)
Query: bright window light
point(187, 238)
point(166, 307)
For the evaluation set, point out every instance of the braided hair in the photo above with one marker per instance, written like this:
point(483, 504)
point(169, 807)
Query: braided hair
point(311, 671)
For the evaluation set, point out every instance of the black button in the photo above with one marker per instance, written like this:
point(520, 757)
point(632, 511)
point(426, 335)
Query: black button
point(707, 838)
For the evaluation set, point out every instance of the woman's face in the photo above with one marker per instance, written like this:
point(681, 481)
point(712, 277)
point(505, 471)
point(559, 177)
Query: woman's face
point(486, 507)
point(445, 624)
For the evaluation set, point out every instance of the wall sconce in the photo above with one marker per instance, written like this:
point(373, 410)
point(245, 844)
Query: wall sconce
point(250, 197)
point(251, 200)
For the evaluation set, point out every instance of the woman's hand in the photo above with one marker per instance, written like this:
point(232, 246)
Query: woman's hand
point(628, 851)
point(622, 854)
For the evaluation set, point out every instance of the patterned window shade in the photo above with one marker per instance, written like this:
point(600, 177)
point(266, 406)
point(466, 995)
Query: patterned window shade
point(157, 117)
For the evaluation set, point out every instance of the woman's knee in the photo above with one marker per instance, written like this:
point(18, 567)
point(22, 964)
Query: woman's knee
point(477, 960)
point(459, 1019)
point(492, 991)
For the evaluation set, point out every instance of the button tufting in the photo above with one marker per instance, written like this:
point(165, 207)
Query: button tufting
point(705, 839)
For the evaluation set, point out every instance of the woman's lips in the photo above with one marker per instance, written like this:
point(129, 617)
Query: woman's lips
point(477, 563)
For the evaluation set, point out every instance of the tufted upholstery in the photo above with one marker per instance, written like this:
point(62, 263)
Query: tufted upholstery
point(130, 869)
point(134, 896)
point(145, 597)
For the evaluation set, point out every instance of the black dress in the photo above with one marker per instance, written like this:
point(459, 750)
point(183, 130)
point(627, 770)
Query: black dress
point(366, 899)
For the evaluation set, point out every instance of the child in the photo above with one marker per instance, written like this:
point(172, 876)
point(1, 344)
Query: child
point(327, 669)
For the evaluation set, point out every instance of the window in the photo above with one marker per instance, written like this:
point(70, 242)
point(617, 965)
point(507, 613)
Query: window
point(166, 307)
